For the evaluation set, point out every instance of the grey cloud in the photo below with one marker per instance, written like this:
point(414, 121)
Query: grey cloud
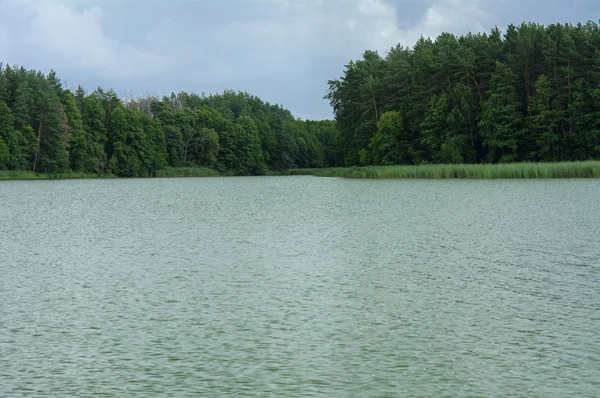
point(281, 50)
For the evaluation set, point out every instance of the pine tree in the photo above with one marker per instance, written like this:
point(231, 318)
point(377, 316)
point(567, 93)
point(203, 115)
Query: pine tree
point(543, 122)
point(7, 135)
point(501, 121)
point(96, 137)
point(78, 152)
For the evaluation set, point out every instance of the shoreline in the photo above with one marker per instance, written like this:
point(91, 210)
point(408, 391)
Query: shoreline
point(570, 170)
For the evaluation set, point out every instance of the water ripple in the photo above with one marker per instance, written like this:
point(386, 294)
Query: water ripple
point(299, 287)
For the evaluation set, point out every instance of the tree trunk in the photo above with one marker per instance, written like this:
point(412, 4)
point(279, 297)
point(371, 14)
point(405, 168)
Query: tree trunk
point(39, 141)
point(375, 106)
point(471, 75)
point(185, 151)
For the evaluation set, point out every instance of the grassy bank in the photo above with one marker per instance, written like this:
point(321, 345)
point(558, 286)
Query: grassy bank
point(166, 173)
point(187, 172)
point(589, 169)
point(28, 175)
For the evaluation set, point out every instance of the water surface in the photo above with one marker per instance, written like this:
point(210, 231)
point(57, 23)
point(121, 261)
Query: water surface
point(300, 287)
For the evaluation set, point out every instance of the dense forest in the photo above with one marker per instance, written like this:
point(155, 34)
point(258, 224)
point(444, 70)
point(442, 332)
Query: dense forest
point(529, 94)
point(46, 128)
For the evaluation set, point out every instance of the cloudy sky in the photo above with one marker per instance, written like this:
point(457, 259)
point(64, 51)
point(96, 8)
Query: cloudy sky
point(284, 51)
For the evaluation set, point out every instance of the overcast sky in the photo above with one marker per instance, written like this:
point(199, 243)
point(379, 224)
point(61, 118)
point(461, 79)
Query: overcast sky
point(283, 51)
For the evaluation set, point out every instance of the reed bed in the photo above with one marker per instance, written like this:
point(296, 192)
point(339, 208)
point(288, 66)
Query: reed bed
point(588, 169)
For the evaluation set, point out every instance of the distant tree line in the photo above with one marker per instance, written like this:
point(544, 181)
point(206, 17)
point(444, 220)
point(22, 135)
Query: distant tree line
point(530, 94)
point(46, 128)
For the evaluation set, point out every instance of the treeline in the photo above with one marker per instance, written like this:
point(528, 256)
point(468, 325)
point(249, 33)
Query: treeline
point(530, 94)
point(46, 128)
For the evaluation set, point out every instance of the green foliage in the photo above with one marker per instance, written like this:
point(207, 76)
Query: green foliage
point(78, 152)
point(356, 100)
point(15, 126)
point(53, 156)
point(446, 127)
point(3, 85)
point(96, 135)
point(4, 155)
point(239, 134)
point(137, 142)
point(45, 128)
point(7, 133)
point(543, 121)
point(325, 135)
point(527, 95)
point(390, 145)
point(240, 151)
point(501, 123)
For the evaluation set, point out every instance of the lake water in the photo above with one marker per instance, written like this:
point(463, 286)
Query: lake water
point(300, 287)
